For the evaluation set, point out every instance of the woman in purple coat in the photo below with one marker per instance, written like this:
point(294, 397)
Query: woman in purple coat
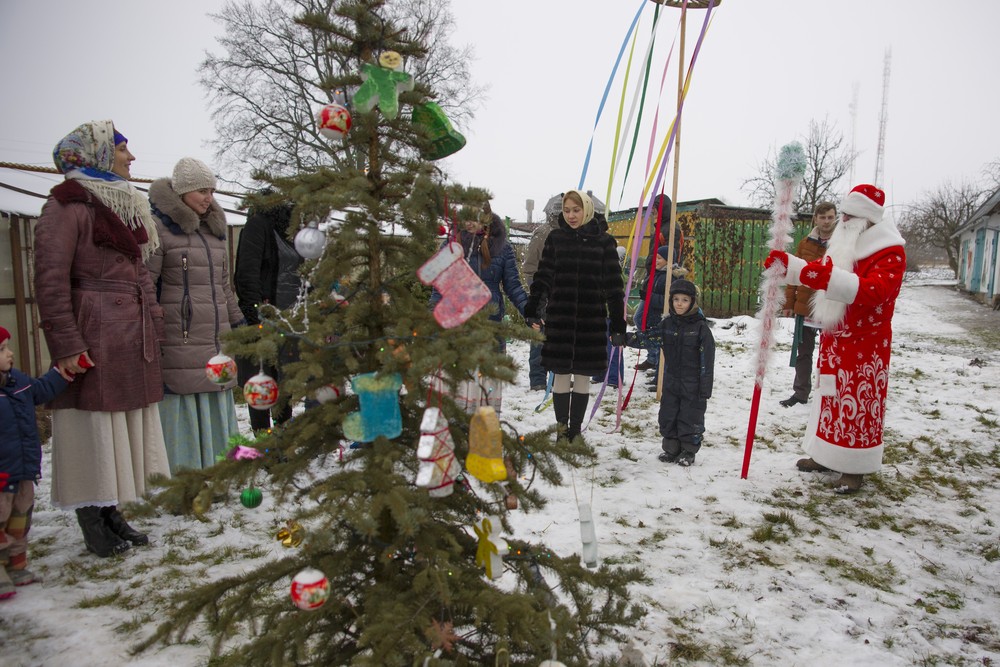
point(101, 321)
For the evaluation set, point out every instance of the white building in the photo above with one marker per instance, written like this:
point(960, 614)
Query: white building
point(979, 236)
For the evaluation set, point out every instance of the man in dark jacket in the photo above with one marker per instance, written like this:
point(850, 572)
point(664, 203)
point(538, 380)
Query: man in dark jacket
point(266, 273)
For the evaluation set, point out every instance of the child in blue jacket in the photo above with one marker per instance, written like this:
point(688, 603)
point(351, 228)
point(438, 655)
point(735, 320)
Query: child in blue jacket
point(20, 461)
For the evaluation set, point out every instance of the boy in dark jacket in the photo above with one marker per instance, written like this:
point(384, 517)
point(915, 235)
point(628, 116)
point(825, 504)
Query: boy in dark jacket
point(689, 355)
point(20, 461)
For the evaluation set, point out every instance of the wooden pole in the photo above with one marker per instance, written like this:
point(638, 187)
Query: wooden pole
point(24, 357)
point(673, 191)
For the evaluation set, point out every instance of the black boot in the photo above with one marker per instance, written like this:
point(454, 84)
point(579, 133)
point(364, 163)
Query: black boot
point(96, 534)
point(114, 520)
point(577, 413)
point(560, 405)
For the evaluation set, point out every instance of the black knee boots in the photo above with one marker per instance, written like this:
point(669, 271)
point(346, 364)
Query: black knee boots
point(98, 537)
point(577, 413)
point(560, 405)
point(114, 520)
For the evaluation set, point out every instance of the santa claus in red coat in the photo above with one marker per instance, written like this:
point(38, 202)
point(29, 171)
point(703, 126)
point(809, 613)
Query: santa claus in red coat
point(857, 283)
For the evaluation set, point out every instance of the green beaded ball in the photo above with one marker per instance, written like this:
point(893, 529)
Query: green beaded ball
point(251, 497)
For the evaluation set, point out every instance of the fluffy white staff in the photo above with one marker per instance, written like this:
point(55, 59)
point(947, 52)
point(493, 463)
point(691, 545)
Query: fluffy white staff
point(790, 169)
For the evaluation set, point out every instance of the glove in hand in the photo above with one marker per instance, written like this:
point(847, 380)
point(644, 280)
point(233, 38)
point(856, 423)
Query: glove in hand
point(779, 256)
point(817, 274)
point(618, 339)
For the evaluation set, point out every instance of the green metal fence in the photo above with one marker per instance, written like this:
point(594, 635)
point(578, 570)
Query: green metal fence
point(724, 249)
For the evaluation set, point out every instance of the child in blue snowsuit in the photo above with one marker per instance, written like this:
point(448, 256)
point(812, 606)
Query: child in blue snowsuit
point(689, 355)
point(20, 461)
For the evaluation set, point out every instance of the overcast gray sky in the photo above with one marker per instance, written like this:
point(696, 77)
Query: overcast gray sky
point(766, 68)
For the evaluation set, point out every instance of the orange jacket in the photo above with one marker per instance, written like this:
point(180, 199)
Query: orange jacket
point(797, 298)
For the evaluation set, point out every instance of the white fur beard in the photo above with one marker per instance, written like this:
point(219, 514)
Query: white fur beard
point(842, 249)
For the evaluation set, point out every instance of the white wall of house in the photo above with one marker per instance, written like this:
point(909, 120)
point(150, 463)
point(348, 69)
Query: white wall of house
point(979, 268)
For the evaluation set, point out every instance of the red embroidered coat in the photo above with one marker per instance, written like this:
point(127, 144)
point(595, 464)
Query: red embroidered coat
point(848, 413)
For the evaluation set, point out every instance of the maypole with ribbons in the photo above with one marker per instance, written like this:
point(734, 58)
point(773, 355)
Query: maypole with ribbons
point(788, 175)
point(655, 172)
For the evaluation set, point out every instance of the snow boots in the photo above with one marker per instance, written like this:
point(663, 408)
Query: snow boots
point(671, 450)
point(114, 520)
point(808, 465)
point(98, 537)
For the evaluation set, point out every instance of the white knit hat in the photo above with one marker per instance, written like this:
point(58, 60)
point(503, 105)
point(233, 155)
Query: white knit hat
point(190, 175)
point(864, 201)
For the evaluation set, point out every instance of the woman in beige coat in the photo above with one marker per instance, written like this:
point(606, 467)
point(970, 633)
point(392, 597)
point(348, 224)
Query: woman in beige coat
point(101, 321)
point(191, 274)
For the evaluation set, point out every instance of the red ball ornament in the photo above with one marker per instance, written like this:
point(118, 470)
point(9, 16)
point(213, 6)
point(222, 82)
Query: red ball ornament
point(310, 589)
point(334, 121)
point(327, 393)
point(261, 392)
point(221, 369)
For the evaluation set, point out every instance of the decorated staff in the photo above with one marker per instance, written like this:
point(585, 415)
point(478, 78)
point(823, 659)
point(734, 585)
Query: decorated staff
point(791, 167)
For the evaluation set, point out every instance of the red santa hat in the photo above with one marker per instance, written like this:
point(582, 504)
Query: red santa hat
point(4, 335)
point(864, 201)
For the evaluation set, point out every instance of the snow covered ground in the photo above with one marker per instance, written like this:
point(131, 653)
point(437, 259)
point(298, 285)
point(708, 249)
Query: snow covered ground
point(771, 570)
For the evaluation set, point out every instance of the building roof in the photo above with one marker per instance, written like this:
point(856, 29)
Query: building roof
point(989, 207)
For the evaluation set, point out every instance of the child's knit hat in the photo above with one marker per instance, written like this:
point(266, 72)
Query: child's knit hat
point(190, 175)
point(4, 335)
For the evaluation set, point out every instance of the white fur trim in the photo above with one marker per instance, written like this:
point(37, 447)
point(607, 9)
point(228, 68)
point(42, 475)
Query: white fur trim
point(860, 206)
point(843, 286)
point(853, 461)
point(795, 266)
point(827, 313)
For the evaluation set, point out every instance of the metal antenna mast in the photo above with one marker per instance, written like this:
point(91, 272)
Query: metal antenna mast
point(853, 107)
point(883, 119)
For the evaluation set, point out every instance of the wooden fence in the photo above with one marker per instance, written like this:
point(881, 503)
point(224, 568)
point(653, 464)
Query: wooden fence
point(18, 313)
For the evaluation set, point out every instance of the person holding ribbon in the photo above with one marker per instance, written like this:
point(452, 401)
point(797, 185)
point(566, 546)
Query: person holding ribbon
point(102, 323)
point(856, 282)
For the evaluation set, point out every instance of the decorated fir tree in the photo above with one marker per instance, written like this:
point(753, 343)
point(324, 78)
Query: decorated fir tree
point(400, 561)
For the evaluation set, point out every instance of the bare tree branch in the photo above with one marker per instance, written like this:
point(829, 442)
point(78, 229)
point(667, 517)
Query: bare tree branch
point(928, 225)
point(828, 160)
point(274, 72)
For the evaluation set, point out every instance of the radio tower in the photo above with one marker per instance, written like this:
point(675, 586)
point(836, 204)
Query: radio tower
point(883, 119)
point(854, 130)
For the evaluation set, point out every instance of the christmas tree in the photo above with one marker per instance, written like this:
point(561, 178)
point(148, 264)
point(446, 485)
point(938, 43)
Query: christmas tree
point(389, 572)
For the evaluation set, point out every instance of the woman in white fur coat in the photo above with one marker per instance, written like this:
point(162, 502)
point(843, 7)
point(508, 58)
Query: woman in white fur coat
point(191, 273)
point(857, 283)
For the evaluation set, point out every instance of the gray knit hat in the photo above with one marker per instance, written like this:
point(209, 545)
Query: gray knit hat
point(190, 175)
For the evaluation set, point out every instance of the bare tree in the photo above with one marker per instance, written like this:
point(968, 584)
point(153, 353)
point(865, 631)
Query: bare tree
point(828, 160)
point(276, 70)
point(992, 173)
point(928, 225)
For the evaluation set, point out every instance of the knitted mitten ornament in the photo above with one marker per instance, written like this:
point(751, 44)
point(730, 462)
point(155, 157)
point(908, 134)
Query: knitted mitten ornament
point(379, 414)
point(463, 293)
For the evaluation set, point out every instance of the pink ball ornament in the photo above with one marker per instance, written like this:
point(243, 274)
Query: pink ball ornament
point(221, 369)
point(310, 589)
point(261, 391)
point(334, 121)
